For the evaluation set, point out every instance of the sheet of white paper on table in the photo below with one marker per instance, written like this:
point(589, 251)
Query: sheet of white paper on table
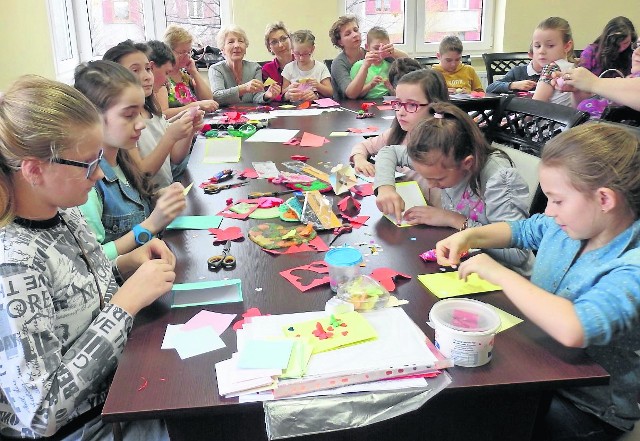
point(222, 150)
point(169, 335)
point(225, 374)
point(272, 135)
point(371, 179)
point(239, 374)
point(298, 112)
point(259, 116)
point(266, 169)
point(196, 342)
point(412, 195)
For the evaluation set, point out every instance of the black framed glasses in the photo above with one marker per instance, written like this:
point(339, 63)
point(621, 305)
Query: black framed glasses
point(90, 166)
point(410, 107)
point(281, 40)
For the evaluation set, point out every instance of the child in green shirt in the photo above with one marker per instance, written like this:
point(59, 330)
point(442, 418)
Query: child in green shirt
point(377, 83)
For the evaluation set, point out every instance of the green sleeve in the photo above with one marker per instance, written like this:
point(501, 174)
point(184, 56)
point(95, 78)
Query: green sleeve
point(92, 212)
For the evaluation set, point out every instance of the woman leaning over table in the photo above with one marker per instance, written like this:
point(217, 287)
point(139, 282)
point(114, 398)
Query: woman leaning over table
point(345, 35)
point(236, 80)
point(184, 86)
point(64, 321)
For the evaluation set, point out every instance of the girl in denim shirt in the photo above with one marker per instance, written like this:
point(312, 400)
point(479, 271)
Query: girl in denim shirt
point(120, 208)
point(585, 286)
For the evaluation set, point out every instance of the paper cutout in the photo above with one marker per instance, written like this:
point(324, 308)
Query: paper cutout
point(268, 82)
point(195, 223)
point(210, 292)
point(363, 129)
point(266, 169)
point(316, 245)
point(304, 104)
point(363, 190)
point(387, 277)
point(348, 203)
point(355, 221)
point(292, 141)
point(222, 235)
point(506, 320)
point(246, 316)
point(449, 284)
point(265, 354)
point(299, 158)
point(326, 102)
point(222, 150)
point(342, 178)
point(215, 320)
point(319, 267)
point(248, 173)
point(230, 213)
point(187, 189)
point(311, 140)
point(269, 202)
point(385, 107)
point(345, 329)
point(412, 195)
point(339, 134)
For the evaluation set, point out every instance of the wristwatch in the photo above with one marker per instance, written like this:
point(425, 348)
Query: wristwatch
point(141, 234)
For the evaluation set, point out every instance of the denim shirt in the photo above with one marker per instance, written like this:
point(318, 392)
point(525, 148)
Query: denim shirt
point(123, 207)
point(604, 286)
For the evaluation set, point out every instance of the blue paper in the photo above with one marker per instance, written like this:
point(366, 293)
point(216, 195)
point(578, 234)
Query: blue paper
point(265, 354)
point(195, 223)
point(210, 292)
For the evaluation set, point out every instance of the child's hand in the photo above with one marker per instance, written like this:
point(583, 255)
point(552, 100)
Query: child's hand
point(198, 122)
point(388, 85)
point(313, 83)
point(181, 128)
point(449, 250)
point(386, 51)
point(370, 58)
point(208, 105)
point(362, 166)
point(376, 80)
point(523, 85)
point(295, 94)
point(484, 266)
point(154, 249)
point(169, 205)
point(390, 202)
point(436, 217)
point(273, 91)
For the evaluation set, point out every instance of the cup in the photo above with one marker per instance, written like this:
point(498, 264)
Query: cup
point(344, 265)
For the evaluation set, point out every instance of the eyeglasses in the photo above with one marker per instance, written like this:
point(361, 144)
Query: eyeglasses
point(90, 166)
point(302, 54)
point(410, 107)
point(182, 54)
point(281, 40)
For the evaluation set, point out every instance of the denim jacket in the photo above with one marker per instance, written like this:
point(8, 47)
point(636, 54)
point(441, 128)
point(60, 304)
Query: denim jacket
point(123, 207)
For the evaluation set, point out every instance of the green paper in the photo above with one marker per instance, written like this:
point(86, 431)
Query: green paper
point(299, 359)
point(449, 284)
point(210, 292)
point(265, 213)
point(195, 223)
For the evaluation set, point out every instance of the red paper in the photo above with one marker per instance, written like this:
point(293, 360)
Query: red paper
point(363, 190)
point(292, 141)
point(365, 106)
point(304, 105)
point(363, 129)
point(227, 212)
point(387, 277)
point(251, 312)
point(302, 158)
point(311, 140)
point(348, 203)
point(249, 173)
point(318, 266)
point(269, 202)
point(224, 234)
point(356, 221)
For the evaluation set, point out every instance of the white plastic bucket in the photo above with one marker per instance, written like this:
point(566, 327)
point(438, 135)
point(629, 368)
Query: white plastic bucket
point(465, 330)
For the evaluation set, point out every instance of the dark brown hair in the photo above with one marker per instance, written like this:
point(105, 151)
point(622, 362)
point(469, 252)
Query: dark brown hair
point(608, 44)
point(334, 32)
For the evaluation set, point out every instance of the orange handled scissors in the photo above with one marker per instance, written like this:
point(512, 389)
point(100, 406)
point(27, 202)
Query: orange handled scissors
point(224, 260)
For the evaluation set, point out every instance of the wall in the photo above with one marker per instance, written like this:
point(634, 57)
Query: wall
point(25, 43)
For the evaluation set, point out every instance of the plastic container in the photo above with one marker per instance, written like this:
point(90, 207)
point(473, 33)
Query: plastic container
point(344, 265)
point(364, 293)
point(465, 330)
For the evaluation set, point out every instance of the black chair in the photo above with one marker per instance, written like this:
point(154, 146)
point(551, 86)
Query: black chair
point(499, 63)
point(328, 63)
point(430, 61)
point(621, 114)
point(482, 111)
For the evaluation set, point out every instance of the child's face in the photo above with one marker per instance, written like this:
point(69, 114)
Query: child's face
point(302, 51)
point(449, 60)
point(122, 121)
point(234, 48)
point(574, 211)
point(350, 36)
point(138, 63)
point(624, 44)
point(160, 74)
point(410, 93)
point(376, 45)
point(548, 46)
point(443, 172)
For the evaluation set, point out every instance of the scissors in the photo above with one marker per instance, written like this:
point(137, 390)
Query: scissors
point(345, 228)
point(224, 260)
point(215, 189)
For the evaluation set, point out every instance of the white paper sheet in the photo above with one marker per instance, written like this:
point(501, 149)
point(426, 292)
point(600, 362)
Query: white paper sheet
point(272, 135)
point(413, 197)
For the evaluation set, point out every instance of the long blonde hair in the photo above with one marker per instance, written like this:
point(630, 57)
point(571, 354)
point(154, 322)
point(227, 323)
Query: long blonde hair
point(39, 118)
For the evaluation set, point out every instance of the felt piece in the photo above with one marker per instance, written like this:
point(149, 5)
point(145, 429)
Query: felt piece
point(319, 267)
point(224, 234)
point(387, 277)
point(270, 235)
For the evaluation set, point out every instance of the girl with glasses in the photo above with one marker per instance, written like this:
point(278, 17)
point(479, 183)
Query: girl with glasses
point(612, 49)
point(479, 184)
point(414, 91)
point(122, 209)
point(64, 321)
point(305, 73)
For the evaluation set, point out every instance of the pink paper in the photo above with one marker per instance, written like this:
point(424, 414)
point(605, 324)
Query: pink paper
point(363, 129)
point(311, 140)
point(464, 319)
point(249, 173)
point(219, 322)
point(385, 107)
point(326, 102)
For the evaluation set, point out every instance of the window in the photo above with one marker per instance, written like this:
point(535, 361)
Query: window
point(417, 26)
point(84, 29)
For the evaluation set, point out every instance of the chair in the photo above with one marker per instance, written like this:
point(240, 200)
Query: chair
point(527, 165)
point(430, 61)
point(528, 124)
point(621, 114)
point(482, 111)
point(499, 63)
point(328, 63)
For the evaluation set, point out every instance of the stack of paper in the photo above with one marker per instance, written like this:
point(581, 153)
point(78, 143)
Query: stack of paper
point(199, 335)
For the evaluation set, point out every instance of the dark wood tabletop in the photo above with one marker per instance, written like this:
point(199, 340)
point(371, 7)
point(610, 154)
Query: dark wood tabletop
point(502, 395)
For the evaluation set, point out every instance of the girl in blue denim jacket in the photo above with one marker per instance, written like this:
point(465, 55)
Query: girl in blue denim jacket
point(120, 209)
point(585, 286)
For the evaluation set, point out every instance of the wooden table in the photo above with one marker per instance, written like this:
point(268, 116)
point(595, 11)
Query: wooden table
point(496, 401)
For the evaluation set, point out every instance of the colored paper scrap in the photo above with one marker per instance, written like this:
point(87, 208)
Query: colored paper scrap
point(326, 102)
point(265, 354)
point(268, 82)
point(339, 134)
point(312, 140)
point(464, 319)
point(224, 234)
point(272, 135)
point(299, 359)
point(196, 342)
point(348, 203)
point(169, 335)
point(221, 150)
point(211, 292)
point(363, 190)
point(217, 321)
point(385, 107)
point(449, 284)
point(287, 106)
point(412, 195)
point(318, 267)
point(355, 221)
point(363, 129)
point(195, 223)
point(248, 173)
point(251, 312)
point(187, 189)
point(506, 320)
point(387, 277)
point(345, 329)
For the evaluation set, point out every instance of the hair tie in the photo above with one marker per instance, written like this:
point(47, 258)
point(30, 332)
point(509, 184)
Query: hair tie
point(438, 115)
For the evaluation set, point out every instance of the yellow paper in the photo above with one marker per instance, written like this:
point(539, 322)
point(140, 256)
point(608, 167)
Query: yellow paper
point(394, 301)
point(222, 150)
point(448, 284)
point(506, 320)
point(269, 82)
point(357, 330)
point(187, 189)
point(412, 195)
point(287, 106)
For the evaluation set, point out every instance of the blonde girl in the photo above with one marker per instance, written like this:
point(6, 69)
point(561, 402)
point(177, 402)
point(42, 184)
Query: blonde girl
point(304, 72)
